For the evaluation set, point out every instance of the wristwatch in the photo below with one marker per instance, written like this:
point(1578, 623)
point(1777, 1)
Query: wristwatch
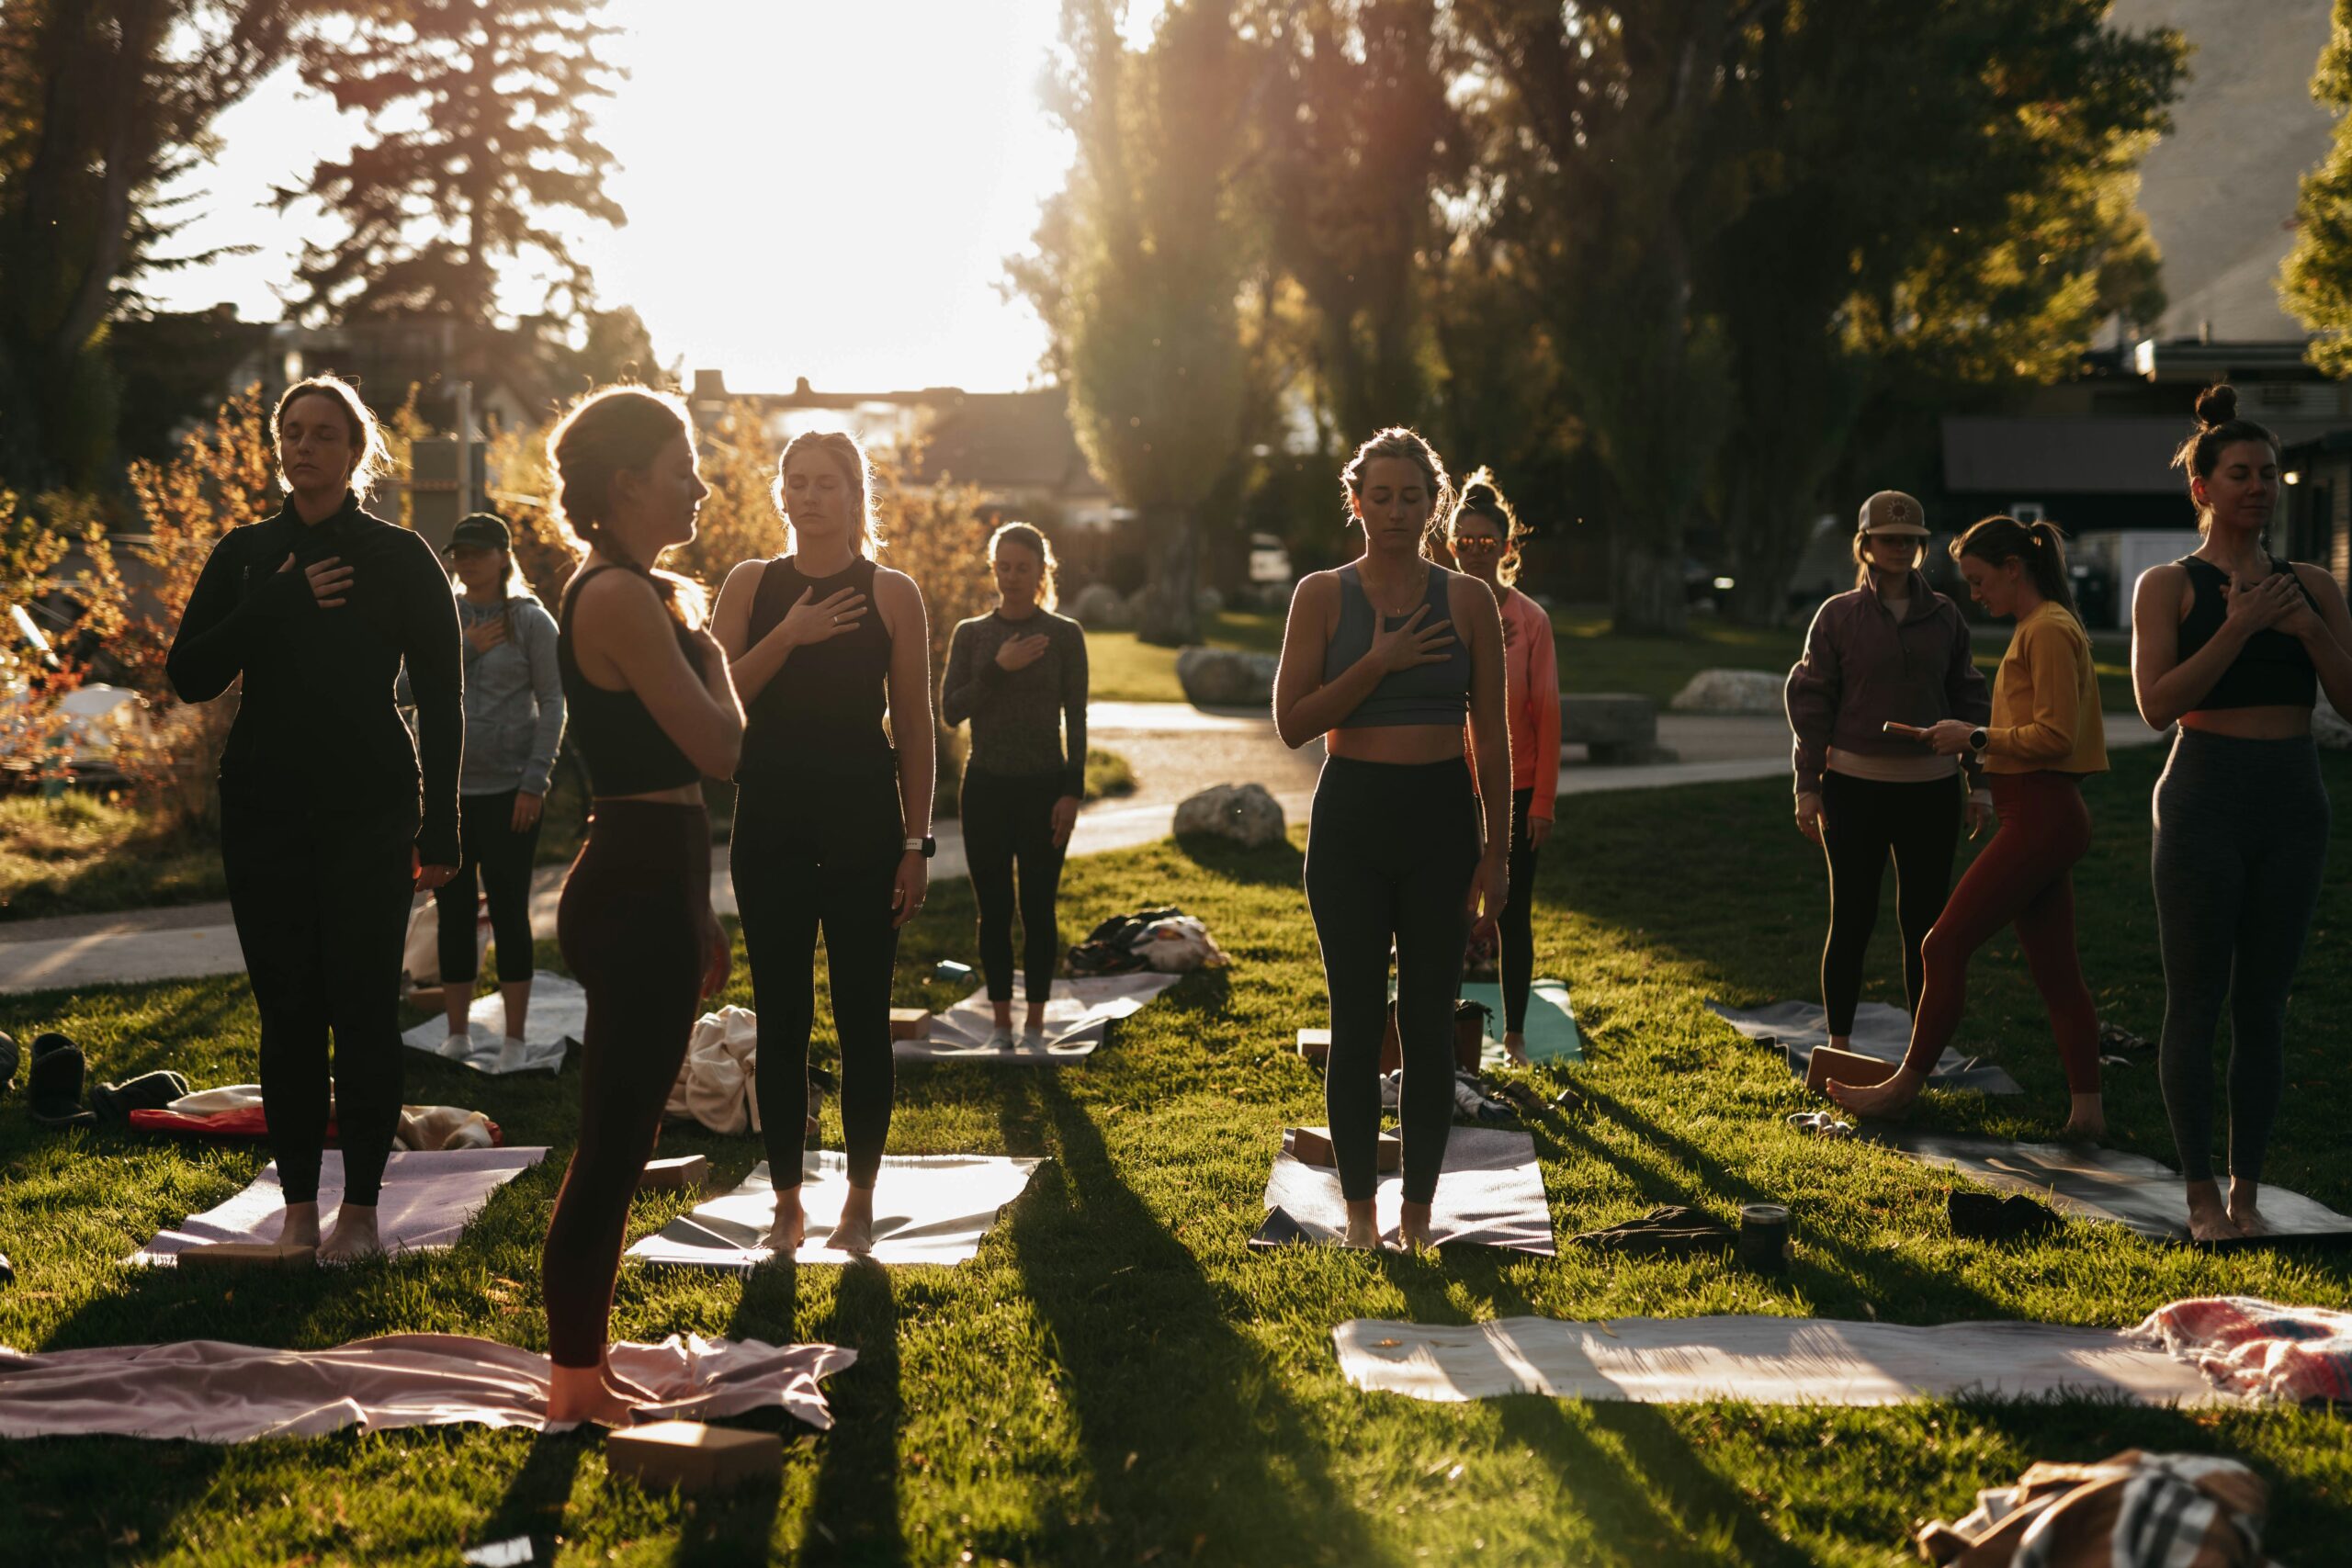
point(1978, 739)
point(927, 844)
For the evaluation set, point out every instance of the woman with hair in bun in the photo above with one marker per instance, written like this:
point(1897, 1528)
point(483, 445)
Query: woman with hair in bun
point(1018, 673)
point(833, 822)
point(653, 714)
point(2234, 646)
point(329, 825)
point(1483, 535)
point(2045, 735)
point(1383, 659)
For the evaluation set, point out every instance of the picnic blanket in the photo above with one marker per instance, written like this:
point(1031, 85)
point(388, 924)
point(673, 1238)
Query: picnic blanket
point(209, 1391)
point(2258, 1348)
point(1763, 1360)
point(1489, 1193)
point(426, 1200)
point(2132, 1508)
point(234, 1110)
point(1880, 1032)
point(927, 1209)
point(558, 1016)
point(1078, 1014)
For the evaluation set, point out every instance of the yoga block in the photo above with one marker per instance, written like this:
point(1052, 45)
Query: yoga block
point(1314, 1044)
point(909, 1023)
point(249, 1255)
point(670, 1174)
point(692, 1457)
point(1827, 1062)
point(1312, 1145)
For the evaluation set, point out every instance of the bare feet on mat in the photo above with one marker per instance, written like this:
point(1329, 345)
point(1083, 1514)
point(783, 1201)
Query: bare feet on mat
point(2087, 1120)
point(1413, 1228)
point(580, 1396)
point(854, 1234)
point(1892, 1097)
point(2209, 1220)
point(353, 1236)
point(791, 1227)
point(1515, 1047)
point(2244, 1211)
point(302, 1226)
point(1363, 1227)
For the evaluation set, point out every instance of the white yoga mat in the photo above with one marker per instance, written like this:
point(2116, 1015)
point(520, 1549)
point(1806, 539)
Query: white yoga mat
point(558, 1018)
point(2132, 1191)
point(426, 1200)
point(1880, 1031)
point(1762, 1361)
point(209, 1391)
point(927, 1209)
point(1489, 1193)
point(1078, 1015)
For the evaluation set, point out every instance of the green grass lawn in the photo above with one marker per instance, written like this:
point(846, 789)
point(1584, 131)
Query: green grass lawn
point(1118, 1378)
point(1123, 669)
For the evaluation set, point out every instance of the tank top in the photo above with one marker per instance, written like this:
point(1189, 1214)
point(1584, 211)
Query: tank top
point(2273, 669)
point(1426, 694)
point(624, 751)
point(821, 715)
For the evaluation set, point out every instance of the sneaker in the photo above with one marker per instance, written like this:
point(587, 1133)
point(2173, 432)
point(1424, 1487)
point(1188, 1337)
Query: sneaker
point(1033, 1039)
point(457, 1047)
point(1001, 1040)
point(511, 1050)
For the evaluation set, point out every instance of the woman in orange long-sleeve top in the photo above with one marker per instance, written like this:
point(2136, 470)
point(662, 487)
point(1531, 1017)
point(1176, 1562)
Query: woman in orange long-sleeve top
point(2046, 734)
point(1484, 534)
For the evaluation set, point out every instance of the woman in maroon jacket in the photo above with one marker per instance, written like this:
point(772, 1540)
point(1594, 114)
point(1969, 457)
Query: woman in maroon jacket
point(1891, 651)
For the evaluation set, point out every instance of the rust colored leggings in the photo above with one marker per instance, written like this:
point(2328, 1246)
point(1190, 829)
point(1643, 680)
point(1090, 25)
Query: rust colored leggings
point(2025, 879)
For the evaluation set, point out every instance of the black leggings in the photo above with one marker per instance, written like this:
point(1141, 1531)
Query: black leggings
point(1861, 821)
point(1390, 851)
point(486, 829)
point(2241, 840)
point(809, 855)
point(1515, 964)
point(631, 926)
point(1005, 819)
point(322, 903)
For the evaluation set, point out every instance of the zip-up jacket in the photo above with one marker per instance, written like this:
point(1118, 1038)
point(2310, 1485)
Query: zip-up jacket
point(1861, 670)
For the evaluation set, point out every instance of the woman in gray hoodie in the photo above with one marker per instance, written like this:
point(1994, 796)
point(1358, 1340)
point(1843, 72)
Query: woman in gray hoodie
point(1891, 651)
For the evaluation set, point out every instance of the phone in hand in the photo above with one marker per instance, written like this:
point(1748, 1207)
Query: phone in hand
point(1903, 731)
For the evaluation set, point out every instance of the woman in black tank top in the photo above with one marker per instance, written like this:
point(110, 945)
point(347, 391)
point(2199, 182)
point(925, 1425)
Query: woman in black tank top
point(2234, 646)
point(652, 712)
point(832, 824)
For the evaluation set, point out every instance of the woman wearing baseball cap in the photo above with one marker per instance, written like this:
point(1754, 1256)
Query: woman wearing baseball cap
point(1891, 650)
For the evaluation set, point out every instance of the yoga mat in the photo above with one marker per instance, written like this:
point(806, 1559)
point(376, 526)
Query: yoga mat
point(209, 1391)
point(426, 1200)
point(1762, 1360)
point(1489, 1193)
point(927, 1209)
point(558, 1016)
point(1078, 1015)
point(1880, 1031)
point(1551, 1023)
point(2132, 1191)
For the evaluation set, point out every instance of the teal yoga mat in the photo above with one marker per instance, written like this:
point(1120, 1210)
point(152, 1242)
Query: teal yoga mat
point(1551, 1025)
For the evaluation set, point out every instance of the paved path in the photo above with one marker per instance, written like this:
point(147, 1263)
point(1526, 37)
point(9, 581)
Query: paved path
point(1174, 748)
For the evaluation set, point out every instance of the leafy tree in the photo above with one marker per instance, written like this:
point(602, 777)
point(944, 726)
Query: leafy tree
point(481, 111)
point(2316, 281)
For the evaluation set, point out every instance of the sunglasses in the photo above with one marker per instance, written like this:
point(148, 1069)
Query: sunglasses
point(1481, 545)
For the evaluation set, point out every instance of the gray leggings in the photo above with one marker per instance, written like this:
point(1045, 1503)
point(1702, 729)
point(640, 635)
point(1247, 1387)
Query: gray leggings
point(2241, 838)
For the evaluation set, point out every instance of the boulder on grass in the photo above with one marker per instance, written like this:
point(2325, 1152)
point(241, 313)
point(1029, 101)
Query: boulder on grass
point(2328, 728)
point(1244, 813)
point(1099, 607)
point(1208, 601)
point(1220, 677)
point(1731, 691)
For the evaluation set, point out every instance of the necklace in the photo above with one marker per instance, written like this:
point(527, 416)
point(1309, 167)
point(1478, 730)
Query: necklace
point(1420, 591)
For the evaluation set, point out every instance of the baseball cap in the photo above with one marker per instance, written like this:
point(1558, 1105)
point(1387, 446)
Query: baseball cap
point(487, 529)
point(1889, 512)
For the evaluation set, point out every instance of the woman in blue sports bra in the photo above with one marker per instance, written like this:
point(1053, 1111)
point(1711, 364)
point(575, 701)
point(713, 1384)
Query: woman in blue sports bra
point(2234, 646)
point(1384, 660)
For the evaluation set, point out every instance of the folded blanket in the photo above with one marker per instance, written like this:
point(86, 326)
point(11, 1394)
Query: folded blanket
point(2172, 1511)
point(2258, 1348)
point(233, 1111)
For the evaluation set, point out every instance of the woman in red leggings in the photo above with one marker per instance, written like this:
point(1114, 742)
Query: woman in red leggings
point(2046, 734)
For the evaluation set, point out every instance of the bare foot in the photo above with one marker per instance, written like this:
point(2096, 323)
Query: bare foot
point(854, 1234)
point(1515, 1047)
point(353, 1236)
point(1363, 1227)
point(1413, 1228)
point(2085, 1121)
point(791, 1227)
point(579, 1395)
point(2207, 1219)
point(1892, 1097)
point(2244, 1197)
point(301, 1225)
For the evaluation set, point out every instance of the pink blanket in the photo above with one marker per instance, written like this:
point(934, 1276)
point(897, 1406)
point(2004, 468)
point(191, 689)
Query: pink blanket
point(2258, 1348)
point(209, 1391)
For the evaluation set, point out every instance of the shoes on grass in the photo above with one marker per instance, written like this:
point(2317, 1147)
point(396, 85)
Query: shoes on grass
point(53, 1086)
point(9, 1058)
point(149, 1092)
point(1982, 1216)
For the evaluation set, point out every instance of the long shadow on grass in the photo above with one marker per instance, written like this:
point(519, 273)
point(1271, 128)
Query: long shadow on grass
point(1271, 865)
point(1193, 1447)
point(535, 1497)
point(854, 1511)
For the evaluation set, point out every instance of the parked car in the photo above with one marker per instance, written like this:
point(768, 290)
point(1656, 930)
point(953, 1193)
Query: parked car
point(1269, 560)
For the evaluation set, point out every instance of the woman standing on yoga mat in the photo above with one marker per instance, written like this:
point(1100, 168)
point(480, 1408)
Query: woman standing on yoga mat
point(328, 825)
point(1019, 675)
point(833, 825)
point(2046, 734)
point(653, 713)
point(2234, 646)
point(1891, 651)
point(1483, 535)
point(1381, 659)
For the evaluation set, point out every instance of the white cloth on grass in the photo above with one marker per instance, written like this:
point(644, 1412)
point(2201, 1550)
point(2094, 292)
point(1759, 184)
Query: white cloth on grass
point(209, 1391)
point(1078, 1015)
point(557, 1019)
point(1762, 1361)
point(1489, 1193)
point(927, 1209)
point(1881, 1031)
point(719, 1082)
point(426, 1200)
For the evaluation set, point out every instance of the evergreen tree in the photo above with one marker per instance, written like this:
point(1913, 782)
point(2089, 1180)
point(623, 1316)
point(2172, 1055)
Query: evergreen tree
point(2316, 282)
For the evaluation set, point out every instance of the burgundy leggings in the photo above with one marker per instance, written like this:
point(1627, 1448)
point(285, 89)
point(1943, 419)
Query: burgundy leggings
point(2024, 878)
point(631, 926)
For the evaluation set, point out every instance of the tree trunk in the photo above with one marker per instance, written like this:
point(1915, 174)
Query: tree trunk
point(1645, 584)
point(1169, 618)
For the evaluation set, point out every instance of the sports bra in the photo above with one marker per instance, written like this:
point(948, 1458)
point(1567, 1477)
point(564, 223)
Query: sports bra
point(2273, 669)
point(624, 751)
point(821, 714)
point(1426, 694)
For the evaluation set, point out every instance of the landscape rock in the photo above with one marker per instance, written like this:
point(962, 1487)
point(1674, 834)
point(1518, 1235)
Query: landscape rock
point(1221, 677)
point(1731, 691)
point(1099, 607)
point(1244, 813)
point(1208, 601)
point(2329, 729)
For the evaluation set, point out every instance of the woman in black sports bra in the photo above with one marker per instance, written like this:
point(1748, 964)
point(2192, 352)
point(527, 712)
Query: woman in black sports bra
point(832, 823)
point(653, 711)
point(1383, 659)
point(2234, 646)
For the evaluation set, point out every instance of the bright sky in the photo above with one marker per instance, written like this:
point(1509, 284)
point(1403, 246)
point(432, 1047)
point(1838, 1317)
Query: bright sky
point(823, 188)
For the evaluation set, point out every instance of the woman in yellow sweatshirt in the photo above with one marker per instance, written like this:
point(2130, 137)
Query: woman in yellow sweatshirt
point(2046, 734)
